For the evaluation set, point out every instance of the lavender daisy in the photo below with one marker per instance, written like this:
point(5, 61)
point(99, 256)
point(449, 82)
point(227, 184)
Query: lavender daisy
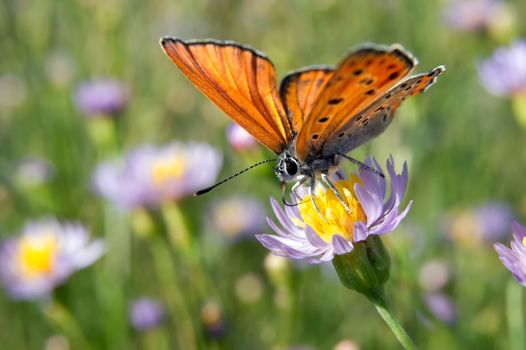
point(303, 233)
point(239, 138)
point(146, 313)
point(441, 306)
point(515, 258)
point(494, 218)
point(472, 15)
point(43, 256)
point(504, 74)
point(152, 175)
point(102, 97)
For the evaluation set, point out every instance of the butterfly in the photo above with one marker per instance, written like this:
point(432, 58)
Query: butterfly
point(319, 113)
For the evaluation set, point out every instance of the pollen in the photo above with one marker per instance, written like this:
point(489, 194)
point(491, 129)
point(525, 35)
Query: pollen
point(332, 218)
point(524, 241)
point(168, 169)
point(36, 255)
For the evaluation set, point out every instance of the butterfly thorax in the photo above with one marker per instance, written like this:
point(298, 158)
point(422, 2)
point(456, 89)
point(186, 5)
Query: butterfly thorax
point(290, 169)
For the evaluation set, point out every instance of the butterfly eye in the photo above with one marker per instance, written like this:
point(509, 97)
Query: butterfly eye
point(292, 167)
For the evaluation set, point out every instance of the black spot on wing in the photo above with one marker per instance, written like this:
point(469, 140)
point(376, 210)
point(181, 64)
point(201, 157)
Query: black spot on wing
point(335, 101)
point(394, 75)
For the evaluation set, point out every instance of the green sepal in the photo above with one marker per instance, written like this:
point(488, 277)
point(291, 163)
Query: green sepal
point(366, 268)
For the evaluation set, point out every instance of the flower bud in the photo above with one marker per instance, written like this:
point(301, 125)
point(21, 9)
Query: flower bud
point(366, 268)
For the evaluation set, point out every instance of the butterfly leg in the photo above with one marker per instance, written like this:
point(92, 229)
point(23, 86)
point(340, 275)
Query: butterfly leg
point(300, 182)
point(325, 179)
point(362, 165)
point(310, 193)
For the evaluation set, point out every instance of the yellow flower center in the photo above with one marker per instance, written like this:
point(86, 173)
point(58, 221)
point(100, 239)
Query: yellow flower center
point(334, 218)
point(168, 169)
point(524, 241)
point(36, 255)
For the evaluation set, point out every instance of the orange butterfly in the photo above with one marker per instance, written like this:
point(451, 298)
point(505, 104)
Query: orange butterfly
point(319, 113)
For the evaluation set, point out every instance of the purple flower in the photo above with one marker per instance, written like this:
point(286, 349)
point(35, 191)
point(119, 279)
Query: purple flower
point(152, 175)
point(441, 306)
point(504, 74)
point(515, 258)
point(494, 218)
point(304, 233)
point(43, 256)
point(239, 138)
point(146, 313)
point(237, 216)
point(472, 15)
point(472, 226)
point(102, 97)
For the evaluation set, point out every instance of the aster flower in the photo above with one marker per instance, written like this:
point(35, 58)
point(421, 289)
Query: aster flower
point(239, 138)
point(504, 74)
point(43, 256)
point(102, 97)
point(146, 313)
point(494, 218)
point(349, 238)
point(151, 175)
point(303, 233)
point(486, 222)
point(237, 216)
point(472, 15)
point(515, 258)
point(441, 306)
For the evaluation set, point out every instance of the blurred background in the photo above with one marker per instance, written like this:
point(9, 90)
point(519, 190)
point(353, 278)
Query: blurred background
point(88, 101)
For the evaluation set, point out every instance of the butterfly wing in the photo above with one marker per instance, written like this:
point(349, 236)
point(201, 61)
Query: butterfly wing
point(299, 91)
point(240, 81)
point(366, 73)
point(371, 121)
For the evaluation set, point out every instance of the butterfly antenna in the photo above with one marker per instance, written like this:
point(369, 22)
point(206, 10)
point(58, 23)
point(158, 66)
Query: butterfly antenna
point(362, 165)
point(208, 189)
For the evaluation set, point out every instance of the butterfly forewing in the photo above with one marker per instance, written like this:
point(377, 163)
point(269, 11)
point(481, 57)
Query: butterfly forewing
point(299, 91)
point(359, 79)
point(373, 119)
point(240, 81)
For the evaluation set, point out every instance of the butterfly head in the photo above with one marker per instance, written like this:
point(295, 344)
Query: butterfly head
point(288, 168)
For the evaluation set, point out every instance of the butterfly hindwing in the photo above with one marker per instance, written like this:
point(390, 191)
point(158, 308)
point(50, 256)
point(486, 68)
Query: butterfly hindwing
point(240, 81)
point(365, 74)
point(375, 118)
point(299, 91)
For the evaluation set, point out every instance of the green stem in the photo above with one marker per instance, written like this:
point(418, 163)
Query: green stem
point(185, 247)
point(62, 320)
point(177, 305)
point(381, 306)
point(514, 315)
point(518, 104)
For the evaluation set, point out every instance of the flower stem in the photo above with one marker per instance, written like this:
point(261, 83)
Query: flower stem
point(514, 314)
point(64, 321)
point(381, 306)
point(518, 104)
